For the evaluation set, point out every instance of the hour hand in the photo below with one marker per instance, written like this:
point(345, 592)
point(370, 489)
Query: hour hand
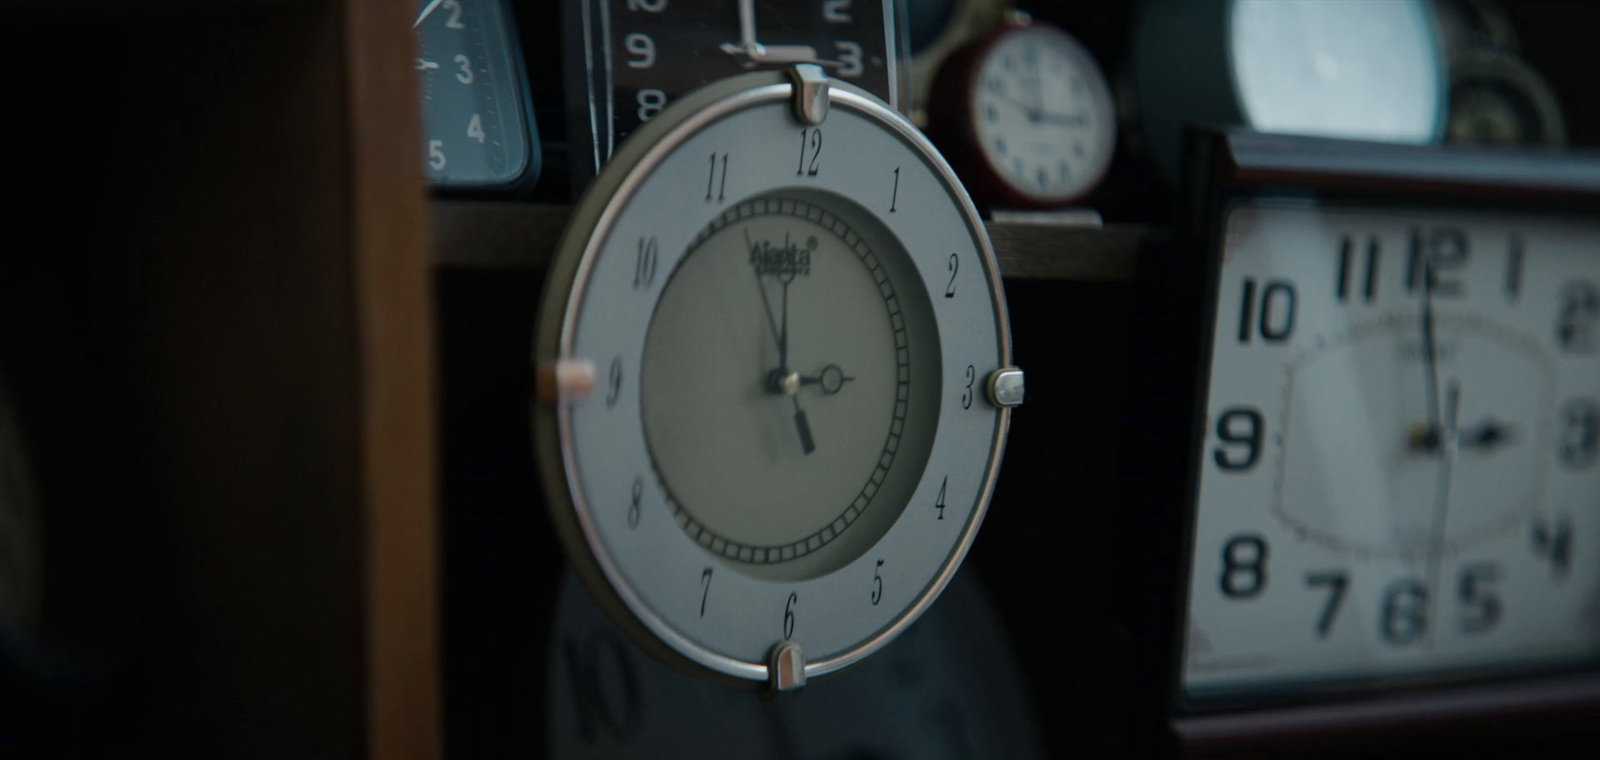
point(803, 426)
point(1074, 120)
point(1487, 436)
point(756, 54)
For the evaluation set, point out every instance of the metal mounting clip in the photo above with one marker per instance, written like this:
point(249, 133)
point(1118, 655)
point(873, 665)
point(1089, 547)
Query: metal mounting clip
point(786, 670)
point(810, 93)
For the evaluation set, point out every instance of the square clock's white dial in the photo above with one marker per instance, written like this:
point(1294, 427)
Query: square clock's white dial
point(1399, 474)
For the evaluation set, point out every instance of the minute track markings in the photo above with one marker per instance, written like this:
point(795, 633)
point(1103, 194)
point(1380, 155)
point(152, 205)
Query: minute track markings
point(772, 554)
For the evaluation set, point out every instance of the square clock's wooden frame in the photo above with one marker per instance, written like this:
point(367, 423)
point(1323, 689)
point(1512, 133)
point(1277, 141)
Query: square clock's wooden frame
point(1167, 423)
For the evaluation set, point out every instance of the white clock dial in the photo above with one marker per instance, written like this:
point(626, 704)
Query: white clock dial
point(1351, 69)
point(1398, 476)
point(790, 482)
point(792, 325)
point(1043, 114)
point(1340, 68)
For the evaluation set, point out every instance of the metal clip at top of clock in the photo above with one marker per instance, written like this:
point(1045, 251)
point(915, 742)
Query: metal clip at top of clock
point(775, 379)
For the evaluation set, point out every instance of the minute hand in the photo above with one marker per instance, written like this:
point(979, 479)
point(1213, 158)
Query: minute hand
point(1074, 120)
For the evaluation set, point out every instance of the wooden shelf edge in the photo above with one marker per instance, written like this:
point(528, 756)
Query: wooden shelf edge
point(503, 235)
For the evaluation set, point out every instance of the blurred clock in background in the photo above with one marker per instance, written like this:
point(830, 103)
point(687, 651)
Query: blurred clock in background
point(624, 60)
point(1327, 68)
point(1025, 116)
point(477, 128)
point(1495, 96)
point(936, 29)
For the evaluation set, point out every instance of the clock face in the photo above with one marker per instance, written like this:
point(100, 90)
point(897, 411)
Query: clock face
point(832, 460)
point(475, 128)
point(1360, 70)
point(1043, 115)
point(1399, 473)
point(793, 327)
point(636, 56)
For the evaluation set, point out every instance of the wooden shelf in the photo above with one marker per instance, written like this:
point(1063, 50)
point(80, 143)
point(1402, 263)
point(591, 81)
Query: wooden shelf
point(471, 234)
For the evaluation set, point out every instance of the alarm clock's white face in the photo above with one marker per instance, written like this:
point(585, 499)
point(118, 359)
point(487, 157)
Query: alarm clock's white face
point(1399, 473)
point(1043, 115)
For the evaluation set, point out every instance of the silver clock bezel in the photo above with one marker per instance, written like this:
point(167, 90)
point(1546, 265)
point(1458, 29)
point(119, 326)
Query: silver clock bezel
point(568, 280)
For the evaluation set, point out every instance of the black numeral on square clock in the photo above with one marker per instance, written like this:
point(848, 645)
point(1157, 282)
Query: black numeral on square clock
point(1275, 322)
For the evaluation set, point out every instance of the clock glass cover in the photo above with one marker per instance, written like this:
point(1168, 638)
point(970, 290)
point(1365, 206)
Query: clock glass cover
point(1399, 474)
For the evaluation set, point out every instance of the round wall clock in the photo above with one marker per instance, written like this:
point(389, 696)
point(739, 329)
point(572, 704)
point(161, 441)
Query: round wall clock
point(1026, 116)
point(775, 379)
point(1326, 68)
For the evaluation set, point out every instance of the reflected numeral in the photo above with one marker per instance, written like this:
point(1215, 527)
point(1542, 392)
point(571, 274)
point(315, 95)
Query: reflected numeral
point(596, 709)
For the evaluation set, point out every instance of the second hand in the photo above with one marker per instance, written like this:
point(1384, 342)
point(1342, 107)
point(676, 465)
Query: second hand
point(1444, 433)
